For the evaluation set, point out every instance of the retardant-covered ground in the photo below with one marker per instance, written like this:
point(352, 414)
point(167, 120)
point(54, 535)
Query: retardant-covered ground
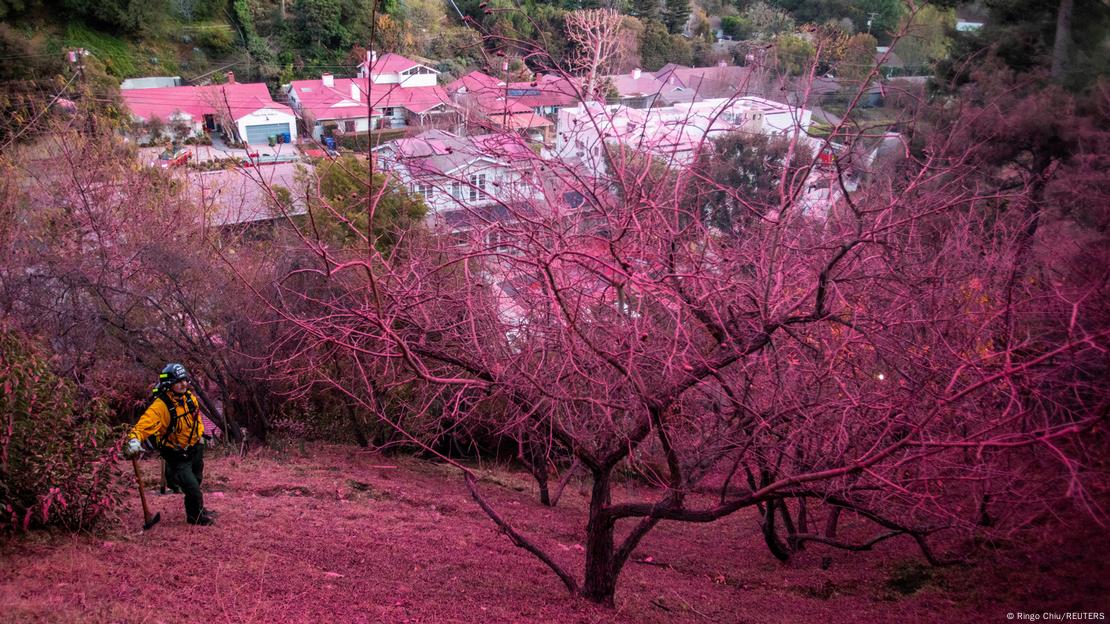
point(341, 535)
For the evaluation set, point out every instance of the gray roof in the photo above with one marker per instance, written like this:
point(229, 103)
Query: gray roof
point(151, 82)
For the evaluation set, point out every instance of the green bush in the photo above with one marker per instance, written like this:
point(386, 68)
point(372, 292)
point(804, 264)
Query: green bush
point(216, 37)
point(57, 453)
point(359, 142)
point(737, 27)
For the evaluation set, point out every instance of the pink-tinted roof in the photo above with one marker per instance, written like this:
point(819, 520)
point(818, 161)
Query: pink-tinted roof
point(545, 91)
point(521, 122)
point(241, 98)
point(626, 85)
point(335, 102)
point(473, 81)
point(494, 103)
point(390, 63)
point(440, 152)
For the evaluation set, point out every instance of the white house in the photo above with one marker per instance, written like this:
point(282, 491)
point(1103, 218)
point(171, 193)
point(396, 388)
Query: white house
point(244, 110)
point(675, 134)
point(389, 92)
point(464, 180)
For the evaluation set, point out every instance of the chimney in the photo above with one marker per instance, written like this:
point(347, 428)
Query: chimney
point(355, 91)
point(722, 63)
point(636, 74)
point(230, 77)
point(328, 79)
point(373, 57)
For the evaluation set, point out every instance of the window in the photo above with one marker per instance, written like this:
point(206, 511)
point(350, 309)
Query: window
point(477, 189)
point(349, 126)
point(388, 111)
point(427, 191)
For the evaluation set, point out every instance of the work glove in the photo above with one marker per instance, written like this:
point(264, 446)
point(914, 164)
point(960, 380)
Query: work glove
point(133, 448)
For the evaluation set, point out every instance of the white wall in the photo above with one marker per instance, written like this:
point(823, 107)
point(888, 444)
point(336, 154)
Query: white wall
point(362, 125)
point(266, 116)
point(452, 192)
point(412, 80)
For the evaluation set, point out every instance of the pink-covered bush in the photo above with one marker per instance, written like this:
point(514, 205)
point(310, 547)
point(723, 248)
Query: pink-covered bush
point(56, 450)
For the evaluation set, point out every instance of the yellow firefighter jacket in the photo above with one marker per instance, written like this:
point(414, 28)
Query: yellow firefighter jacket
point(155, 420)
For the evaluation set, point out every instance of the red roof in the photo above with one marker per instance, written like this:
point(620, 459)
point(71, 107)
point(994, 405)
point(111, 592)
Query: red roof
point(335, 102)
point(521, 122)
point(241, 98)
point(390, 63)
point(545, 90)
point(474, 81)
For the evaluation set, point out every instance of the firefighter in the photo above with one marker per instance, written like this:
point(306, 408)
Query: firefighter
point(173, 426)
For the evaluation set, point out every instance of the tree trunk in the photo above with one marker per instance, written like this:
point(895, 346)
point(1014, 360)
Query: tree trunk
point(537, 465)
point(356, 425)
point(352, 415)
point(563, 481)
point(792, 543)
point(601, 581)
point(778, 549)
point(1062, 41)
point(830, 524)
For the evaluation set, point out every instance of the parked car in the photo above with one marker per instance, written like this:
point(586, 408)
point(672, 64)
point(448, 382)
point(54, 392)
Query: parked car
point(174, 157)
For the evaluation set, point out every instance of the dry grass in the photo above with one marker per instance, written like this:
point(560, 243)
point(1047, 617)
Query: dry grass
point(330, 537)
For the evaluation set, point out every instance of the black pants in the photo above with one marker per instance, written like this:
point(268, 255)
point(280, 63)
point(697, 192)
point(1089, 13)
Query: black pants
point(186, 470)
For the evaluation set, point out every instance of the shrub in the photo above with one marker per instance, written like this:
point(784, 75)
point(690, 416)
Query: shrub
point(216, 37)
point(56, 452)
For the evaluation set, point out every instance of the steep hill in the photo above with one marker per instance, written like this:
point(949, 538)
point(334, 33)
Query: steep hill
point(342, 535)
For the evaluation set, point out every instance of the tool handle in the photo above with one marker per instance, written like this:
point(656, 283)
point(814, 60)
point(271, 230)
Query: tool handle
point(142, 492)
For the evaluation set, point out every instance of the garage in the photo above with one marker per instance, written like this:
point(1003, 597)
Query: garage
point(260, 134)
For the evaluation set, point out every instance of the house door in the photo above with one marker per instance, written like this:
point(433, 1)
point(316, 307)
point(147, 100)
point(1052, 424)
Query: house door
point(260, 134)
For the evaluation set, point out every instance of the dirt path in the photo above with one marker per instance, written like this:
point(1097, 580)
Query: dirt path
point(333, 538)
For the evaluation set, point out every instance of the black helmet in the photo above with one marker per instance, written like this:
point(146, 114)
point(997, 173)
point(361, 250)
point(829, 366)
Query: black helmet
point(172, 374)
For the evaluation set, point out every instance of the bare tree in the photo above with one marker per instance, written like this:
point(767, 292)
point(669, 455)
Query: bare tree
point(595, 34)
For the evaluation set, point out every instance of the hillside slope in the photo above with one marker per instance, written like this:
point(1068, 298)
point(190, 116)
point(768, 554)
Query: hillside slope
point(337, 537)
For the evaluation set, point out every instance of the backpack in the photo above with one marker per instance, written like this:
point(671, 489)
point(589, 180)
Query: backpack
point(162, 393)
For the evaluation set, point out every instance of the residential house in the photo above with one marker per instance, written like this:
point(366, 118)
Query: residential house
point(463, 180)
point(390, 91)
point(528, 108)
point(245, 112)
point(674, 134)
point(674, 84)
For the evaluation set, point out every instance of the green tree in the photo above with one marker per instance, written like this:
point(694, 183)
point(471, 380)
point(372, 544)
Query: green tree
point(793, 54)
point(927, 36)
point(746, 170)
point(675, 15)
point(318, 22)
point(737, 27)
point(818, 11)
point(858, 58)
point(659, 47)
point(344, 185)
point(768, 21)
point(645, 9)
point(1028, 34)
point(16, 7)
point(135, 16)
point(878, 17)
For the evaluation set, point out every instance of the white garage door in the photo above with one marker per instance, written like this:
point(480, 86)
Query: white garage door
point(260, 134)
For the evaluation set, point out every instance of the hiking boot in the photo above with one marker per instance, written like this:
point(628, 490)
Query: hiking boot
point(203, 520)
